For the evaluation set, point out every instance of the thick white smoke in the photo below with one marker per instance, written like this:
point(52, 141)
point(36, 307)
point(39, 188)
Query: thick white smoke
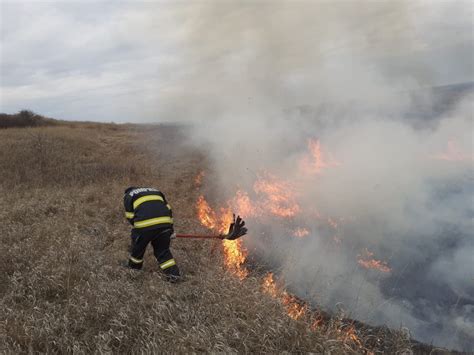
point(260, 78)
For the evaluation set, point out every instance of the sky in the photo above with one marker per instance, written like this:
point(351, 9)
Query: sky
point(130, 61)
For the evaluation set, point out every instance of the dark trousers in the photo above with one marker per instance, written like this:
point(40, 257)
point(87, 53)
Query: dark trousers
point(160, 240)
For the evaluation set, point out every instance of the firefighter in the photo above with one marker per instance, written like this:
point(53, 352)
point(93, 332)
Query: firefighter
point(150, 214)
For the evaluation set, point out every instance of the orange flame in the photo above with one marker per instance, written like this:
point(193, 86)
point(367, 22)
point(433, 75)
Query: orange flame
point(298, 309)
point(316, 160)
point(210, 219)
point(368, 262)
point(316, 323)
point(198, 179)
point(300, 232)
point(269, 285)
point(295, 308)
point(234, 257)
point(278, 196)
point(206, 215)
point(234, 253)
point(225, 219)
point(349, 334)
point(243, 205)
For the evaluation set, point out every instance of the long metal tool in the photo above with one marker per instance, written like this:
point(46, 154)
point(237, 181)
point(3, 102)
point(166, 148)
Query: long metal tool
point(200, 236)
point(237, 229)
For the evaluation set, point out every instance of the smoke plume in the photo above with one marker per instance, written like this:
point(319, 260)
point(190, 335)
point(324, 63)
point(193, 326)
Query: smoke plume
point(260, 80)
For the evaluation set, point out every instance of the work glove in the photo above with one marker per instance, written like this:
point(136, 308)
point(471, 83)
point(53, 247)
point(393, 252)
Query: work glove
point(236, 229)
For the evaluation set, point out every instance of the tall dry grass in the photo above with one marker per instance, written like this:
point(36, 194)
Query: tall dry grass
point(63, 238)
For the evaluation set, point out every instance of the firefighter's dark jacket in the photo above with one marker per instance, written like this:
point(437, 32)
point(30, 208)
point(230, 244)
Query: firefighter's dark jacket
point(146, 209)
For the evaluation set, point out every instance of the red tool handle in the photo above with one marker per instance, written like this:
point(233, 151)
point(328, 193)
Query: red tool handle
point(199, 236)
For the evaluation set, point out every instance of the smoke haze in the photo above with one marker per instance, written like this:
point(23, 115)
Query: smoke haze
point(273, 75)
point(258, 80)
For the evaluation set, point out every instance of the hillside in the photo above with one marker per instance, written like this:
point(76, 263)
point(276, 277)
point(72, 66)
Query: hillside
point(64, 239)
point(24, 118)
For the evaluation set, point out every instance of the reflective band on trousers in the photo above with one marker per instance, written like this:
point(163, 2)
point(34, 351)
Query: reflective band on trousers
point(153, 221)
point(167, 264)
point(140, 200)
point(136, 261)
point(129, 215)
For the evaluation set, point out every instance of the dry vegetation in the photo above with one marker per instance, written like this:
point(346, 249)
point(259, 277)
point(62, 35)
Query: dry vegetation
point(63, 236)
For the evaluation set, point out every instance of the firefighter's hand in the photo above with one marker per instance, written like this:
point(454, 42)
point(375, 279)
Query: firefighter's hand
point(173, 235)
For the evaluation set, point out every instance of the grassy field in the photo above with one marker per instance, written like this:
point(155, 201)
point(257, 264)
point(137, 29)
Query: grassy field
point(63, 290)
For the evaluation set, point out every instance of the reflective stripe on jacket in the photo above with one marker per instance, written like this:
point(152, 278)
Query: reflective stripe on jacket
point(147, 208)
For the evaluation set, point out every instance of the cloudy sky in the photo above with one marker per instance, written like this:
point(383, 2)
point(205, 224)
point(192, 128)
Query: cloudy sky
point(132, 61)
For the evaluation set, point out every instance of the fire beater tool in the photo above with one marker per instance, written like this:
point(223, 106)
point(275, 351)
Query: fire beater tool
point(237, 229)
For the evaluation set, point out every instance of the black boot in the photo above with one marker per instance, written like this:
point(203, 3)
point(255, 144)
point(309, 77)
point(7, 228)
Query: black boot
point(172, 274)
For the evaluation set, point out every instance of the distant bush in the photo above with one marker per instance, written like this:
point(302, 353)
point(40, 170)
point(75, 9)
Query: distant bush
point(24, 118)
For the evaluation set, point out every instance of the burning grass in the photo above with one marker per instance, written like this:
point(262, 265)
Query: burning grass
point(317, 159)
point(63, 289)
point(367, 261)
point(343, 332)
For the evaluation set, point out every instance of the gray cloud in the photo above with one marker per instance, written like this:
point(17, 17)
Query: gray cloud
point(80, 60)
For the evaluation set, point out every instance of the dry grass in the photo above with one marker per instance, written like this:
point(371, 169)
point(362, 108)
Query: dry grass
point(64, 236)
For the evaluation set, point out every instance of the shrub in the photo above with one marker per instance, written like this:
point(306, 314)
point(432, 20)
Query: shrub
point(24, 118)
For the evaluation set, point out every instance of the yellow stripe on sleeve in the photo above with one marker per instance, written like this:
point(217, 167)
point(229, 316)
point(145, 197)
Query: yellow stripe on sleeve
point(143, 199)
point(153, 221)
